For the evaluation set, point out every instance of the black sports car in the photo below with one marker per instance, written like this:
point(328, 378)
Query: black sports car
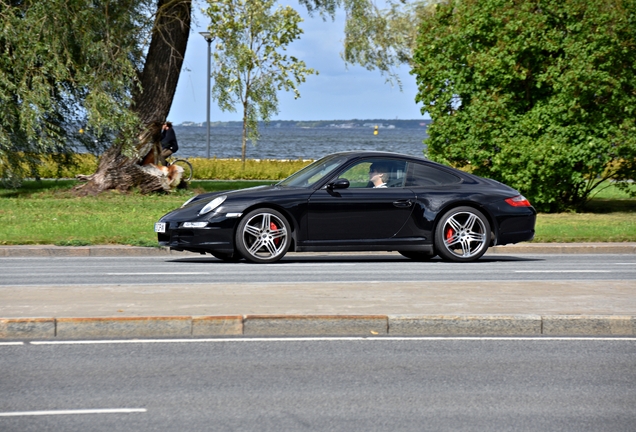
point(355, 201)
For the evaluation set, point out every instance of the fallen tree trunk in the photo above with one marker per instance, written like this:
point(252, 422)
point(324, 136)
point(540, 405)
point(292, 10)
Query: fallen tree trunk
point(117, 171)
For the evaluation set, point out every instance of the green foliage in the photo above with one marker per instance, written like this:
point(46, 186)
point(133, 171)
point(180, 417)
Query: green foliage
point(539, 94)
point(234, 169)
point(383, 38)
point(66, 74)
point(378, 35)
point(199, 186)
point(65, 165)
point(69, 166)
point(250, 66)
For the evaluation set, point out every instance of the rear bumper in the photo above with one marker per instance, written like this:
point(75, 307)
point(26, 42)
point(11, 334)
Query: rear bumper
point(516, 228)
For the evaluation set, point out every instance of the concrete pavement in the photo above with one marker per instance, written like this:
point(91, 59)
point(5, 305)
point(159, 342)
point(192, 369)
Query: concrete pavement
point(216, 310)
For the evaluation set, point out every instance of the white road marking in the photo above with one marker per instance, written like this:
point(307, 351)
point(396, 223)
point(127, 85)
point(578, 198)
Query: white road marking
point(293, 264)
point(73, 412)
point(157, 274)
point(563, 271)
point(11, 343)
point(333, 339)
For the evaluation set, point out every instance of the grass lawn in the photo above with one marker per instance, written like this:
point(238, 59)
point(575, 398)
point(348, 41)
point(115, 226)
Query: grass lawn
point(47, 212)
point(609, 217)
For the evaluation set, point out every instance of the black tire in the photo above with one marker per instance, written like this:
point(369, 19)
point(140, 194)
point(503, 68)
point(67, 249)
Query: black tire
point(263, 236)
point(418, 256)
point(462, 235)
point(187, 169)
point(234, 257)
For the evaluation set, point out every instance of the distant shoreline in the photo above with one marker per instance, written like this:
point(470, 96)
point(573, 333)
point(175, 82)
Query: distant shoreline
point(336, 124)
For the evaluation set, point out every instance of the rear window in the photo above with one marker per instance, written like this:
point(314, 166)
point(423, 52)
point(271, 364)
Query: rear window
point(425, 175)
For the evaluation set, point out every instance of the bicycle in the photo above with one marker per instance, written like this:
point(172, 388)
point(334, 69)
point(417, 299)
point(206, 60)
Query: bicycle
point(183, 163)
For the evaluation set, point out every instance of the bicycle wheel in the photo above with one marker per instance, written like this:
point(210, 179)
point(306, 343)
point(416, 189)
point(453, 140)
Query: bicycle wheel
point(187, 169)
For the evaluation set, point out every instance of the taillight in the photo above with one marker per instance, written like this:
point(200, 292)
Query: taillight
point(518, 201)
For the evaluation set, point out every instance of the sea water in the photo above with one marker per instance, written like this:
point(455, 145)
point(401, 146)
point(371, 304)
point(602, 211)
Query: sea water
point(296, 142)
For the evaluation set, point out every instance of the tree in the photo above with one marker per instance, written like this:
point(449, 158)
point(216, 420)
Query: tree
point(249, 63)
point(377, 38)
point(65, 66)
point(100, 76)
point(382, 39)
point(150, 103)
point(539, 94)
point(107, 68)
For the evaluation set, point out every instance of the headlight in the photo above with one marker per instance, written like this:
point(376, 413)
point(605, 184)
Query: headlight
point(212, 204)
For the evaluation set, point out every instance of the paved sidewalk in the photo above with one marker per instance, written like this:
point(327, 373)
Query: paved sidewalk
point(579, 308)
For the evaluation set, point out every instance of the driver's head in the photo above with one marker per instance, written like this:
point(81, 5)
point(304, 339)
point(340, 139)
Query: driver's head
point(379, 168)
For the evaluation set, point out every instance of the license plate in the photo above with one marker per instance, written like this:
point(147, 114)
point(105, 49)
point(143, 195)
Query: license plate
point(160, 227)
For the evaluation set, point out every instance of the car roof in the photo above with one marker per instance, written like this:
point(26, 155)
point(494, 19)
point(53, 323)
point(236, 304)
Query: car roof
point(355, 154)
point(368, 153)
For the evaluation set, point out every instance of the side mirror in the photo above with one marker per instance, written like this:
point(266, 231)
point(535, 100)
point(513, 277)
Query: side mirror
point(341, 183)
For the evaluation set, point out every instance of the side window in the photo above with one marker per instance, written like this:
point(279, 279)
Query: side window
point(376, 172)
point(425, 175)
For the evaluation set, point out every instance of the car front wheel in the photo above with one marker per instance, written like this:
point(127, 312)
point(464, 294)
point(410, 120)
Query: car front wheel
point(462, 235)
point(263, 236)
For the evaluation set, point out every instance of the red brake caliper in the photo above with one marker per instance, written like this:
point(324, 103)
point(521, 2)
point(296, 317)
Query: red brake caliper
point(273, 227)
point(449, 233)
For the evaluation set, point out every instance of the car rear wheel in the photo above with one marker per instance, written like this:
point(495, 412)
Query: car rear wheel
point(462, 235)
point(263, 236)
point(417, 256)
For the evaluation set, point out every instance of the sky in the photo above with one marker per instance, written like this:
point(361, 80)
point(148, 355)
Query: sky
point(339, 92)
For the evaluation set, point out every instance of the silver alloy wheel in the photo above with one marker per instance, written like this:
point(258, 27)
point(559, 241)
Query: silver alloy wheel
point(463, 235)
point(264, 236)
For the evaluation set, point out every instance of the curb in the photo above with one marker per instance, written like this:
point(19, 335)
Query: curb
point(565, 248)
point(317, 325)
point(28, 251)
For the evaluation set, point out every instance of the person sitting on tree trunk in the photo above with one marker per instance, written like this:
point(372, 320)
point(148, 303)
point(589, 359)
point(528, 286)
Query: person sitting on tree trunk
point(168, 141)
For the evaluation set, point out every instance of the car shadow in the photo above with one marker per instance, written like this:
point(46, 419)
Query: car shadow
point(353, 258)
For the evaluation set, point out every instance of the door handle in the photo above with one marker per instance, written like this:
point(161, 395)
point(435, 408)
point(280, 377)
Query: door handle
point(402, 203)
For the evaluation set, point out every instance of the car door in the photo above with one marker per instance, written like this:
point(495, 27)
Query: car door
point(361, 212)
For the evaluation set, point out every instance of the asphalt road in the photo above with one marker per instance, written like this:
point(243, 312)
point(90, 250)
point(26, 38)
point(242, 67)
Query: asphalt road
point(304, 268)
point(302, 385)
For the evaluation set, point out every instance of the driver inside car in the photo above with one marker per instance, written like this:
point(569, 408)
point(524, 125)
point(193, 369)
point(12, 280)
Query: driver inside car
point(378, 175)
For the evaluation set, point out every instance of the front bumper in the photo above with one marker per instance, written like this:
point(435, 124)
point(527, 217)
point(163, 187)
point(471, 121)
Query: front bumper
point(218, 236)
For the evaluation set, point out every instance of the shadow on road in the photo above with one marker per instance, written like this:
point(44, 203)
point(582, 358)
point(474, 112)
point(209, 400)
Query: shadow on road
point(362, 258)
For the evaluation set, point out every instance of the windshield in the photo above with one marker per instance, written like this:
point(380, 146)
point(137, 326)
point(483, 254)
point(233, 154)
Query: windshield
point(312, 173)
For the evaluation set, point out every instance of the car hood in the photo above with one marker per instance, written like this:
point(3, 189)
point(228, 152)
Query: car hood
point(203, 199)
point(236, 201)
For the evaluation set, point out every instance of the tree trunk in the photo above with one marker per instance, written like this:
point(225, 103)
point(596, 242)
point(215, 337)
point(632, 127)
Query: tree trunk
point(244, 135)
point(151, 102)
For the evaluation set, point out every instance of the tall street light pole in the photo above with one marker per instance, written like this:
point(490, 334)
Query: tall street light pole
point(208, 39)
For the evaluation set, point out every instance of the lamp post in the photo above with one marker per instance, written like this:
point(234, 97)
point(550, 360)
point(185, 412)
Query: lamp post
point(208, 39)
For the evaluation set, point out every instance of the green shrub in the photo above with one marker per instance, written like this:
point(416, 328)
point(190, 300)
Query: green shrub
point(232, 169)
point(69, 166)
point(539, 95)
